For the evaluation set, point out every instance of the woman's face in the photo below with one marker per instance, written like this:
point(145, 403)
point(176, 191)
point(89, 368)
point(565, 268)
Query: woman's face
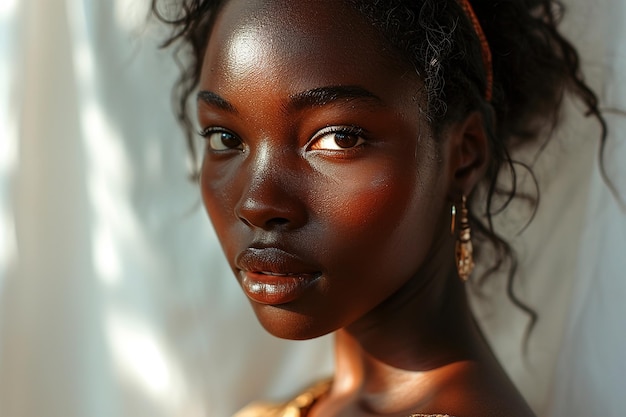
point(320, 176)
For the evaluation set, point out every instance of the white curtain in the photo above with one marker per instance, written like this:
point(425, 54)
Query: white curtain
point(115, 300)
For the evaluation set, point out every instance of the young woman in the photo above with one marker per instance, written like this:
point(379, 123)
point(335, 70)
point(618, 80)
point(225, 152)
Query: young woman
point(352, 153)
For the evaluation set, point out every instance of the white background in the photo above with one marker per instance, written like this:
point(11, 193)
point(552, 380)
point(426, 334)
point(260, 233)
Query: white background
point(114, 298)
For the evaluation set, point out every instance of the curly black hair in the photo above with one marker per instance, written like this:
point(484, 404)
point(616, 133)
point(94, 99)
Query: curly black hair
point(533, 67)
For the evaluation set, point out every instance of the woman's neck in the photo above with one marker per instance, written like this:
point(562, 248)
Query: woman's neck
point(401, 355)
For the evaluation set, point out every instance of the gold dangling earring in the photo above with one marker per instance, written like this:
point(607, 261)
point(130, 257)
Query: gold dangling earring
point(453, 222)
point(464, 250)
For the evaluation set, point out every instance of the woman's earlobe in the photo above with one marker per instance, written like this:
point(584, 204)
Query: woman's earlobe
point(469, 153)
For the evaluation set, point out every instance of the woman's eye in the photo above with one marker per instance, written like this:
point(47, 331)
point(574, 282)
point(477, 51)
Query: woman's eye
point(338, 139)
point(221, 140)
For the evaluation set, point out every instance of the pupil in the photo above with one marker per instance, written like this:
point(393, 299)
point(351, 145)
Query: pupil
point(229, 140)
point(344, 140)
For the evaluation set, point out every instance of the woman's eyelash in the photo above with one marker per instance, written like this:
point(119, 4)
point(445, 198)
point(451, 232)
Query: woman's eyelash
point(206, 132)
point(349, 130)
point(343, 138)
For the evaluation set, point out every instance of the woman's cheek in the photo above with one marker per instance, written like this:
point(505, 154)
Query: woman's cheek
point(358, 199)
point(218, 188)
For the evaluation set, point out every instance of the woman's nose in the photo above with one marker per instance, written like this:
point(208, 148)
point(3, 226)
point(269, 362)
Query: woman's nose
point(271, 191)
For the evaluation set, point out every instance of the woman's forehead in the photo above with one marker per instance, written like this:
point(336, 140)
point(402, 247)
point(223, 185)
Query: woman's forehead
point(317, 42)
point(295, 26)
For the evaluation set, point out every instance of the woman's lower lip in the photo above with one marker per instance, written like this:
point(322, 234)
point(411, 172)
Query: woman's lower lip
point(265, 288)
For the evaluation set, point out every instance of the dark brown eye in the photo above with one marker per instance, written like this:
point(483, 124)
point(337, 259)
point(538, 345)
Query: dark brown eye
point(346, 140)
point(221, 140)
point(338, 138)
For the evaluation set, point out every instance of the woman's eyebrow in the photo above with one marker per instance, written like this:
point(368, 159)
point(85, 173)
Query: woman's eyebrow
point(214, 99)
point(315, 97)
point(325, 95)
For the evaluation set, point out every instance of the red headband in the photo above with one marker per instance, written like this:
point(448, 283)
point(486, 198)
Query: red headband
point(484, 46)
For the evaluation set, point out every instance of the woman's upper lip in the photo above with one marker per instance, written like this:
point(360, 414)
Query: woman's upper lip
point(273, 261)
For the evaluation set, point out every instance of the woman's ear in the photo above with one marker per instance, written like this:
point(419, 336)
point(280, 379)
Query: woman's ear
point(468, 154)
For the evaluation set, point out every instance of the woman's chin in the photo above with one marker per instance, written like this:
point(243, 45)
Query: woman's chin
point(283, 323)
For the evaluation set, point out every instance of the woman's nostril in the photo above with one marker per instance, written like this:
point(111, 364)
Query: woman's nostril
point(271, 207)
point(245, 221)
point(277, 221)
point(267, 217)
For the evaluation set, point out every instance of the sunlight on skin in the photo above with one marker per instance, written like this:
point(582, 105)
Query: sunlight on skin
point(244, 51)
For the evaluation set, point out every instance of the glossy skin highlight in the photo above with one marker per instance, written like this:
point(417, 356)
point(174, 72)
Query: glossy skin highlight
point(331, 198)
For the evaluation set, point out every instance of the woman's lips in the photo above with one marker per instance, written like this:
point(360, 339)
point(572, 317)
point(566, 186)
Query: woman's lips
point(275, 289)
point(274, 276)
